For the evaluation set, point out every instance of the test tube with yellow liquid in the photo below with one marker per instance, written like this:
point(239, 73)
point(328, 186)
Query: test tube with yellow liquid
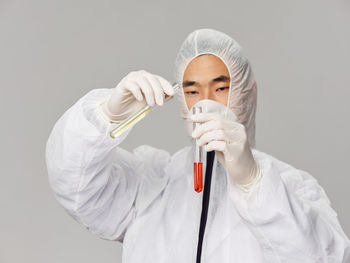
point(136, 117)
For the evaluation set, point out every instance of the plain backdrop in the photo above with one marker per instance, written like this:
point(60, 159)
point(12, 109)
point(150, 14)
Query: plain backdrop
point(54, 52)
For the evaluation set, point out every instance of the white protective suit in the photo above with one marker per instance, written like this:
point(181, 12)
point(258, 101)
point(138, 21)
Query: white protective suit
point(146, 199)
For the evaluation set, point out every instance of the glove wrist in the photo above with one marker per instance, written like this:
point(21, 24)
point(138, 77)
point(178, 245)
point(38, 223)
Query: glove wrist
point(106, 114)
point(113, 118)
point(254, 179)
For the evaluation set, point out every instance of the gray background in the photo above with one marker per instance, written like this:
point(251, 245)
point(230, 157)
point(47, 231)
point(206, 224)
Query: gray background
point(53, 52)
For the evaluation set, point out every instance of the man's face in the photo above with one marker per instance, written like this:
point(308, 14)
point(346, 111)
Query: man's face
point(206, 77)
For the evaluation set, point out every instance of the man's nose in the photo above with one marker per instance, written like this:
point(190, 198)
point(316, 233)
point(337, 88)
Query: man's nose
point(207, 95)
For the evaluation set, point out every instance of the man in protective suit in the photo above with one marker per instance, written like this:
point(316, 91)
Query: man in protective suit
point(260, 208)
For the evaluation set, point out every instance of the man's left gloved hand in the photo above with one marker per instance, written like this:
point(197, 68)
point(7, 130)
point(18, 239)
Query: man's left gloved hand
point(229, 140)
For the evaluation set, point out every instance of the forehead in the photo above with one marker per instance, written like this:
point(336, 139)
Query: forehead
point(205, 66)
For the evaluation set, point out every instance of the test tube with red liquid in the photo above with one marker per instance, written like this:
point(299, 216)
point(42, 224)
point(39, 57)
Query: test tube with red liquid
point(198, 162)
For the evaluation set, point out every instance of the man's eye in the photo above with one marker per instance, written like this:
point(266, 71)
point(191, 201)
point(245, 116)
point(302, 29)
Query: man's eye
point(222, 89)
point(191, 92)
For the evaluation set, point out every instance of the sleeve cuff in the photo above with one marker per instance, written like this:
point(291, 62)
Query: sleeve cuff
point(264, 199)
point(247, 189)
point(92, 112)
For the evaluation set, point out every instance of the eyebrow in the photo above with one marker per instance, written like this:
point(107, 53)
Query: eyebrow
point(221, 78)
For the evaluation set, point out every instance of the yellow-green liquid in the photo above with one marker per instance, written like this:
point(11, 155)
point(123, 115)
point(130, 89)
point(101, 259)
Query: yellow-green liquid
point(132, 120)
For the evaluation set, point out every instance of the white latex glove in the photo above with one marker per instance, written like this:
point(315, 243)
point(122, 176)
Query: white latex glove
point(229, 140)
point(136, 90)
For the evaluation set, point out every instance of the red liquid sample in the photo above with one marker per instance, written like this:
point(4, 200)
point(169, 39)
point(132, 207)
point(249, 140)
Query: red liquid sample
point(198, 177)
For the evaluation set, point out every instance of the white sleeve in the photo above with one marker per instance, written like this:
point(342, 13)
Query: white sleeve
point(291, 216)
point(102, 186)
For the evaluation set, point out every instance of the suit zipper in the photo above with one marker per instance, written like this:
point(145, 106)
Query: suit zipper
point(205, 203)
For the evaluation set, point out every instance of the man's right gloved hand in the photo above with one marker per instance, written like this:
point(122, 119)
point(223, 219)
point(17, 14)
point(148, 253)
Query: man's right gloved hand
point(134, 91)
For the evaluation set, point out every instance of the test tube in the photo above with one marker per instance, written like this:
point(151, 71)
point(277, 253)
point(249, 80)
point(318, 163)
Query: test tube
point(136, 117)
point(198, 162)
